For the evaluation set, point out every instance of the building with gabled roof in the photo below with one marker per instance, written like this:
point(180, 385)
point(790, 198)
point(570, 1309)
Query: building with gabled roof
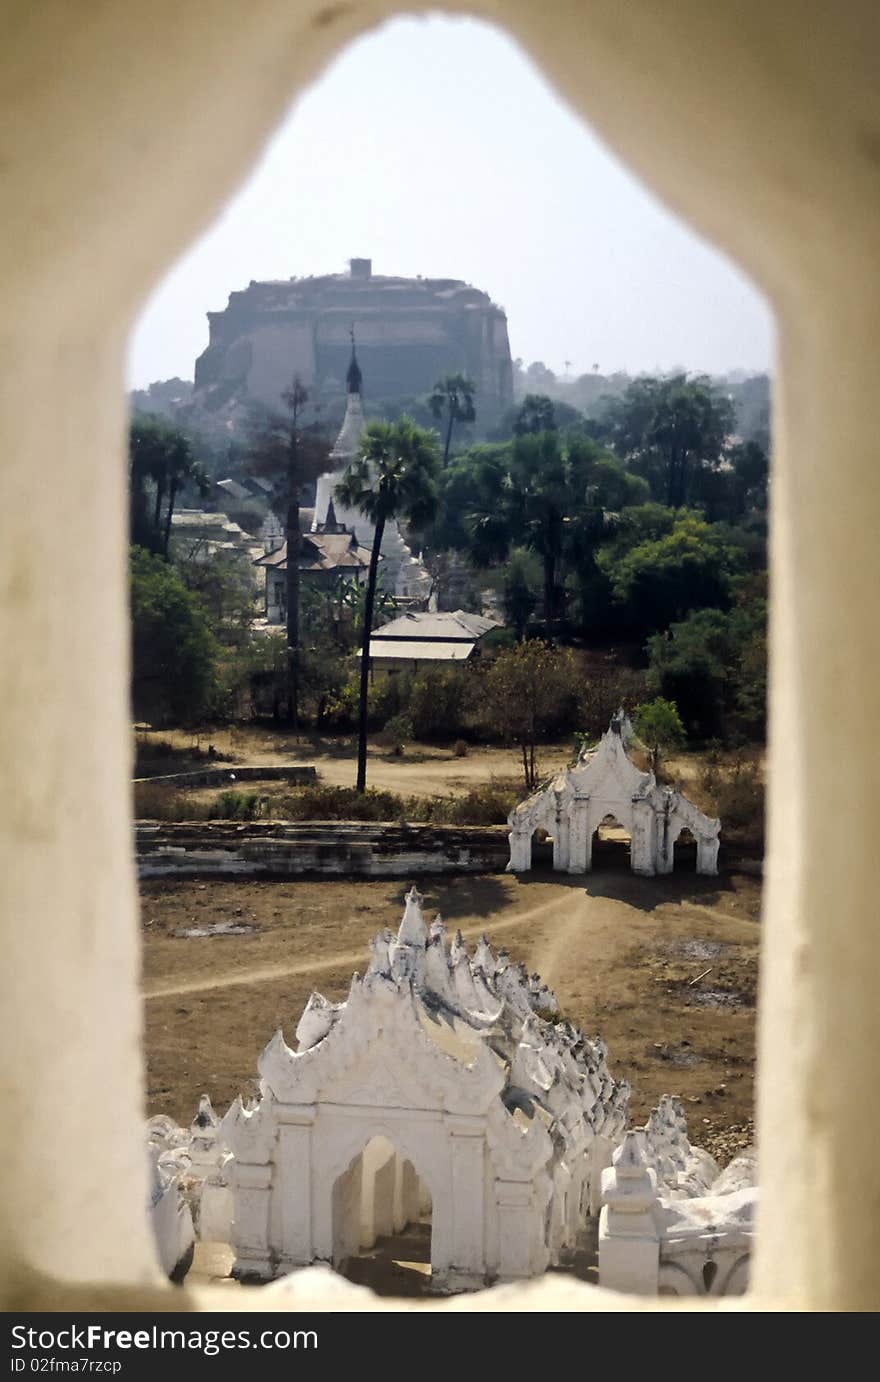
point(326, 559)
point(432, 636)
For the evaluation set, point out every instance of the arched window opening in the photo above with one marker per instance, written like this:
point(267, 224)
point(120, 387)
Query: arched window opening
point(542, 850)
point(684, 857)
point(612, 843)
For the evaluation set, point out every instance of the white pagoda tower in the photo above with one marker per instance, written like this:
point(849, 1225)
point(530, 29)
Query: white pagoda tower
point(404, 575)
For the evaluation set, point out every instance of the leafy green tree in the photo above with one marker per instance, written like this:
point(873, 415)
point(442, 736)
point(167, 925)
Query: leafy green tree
point(662, 580)
point(174, 653)
point(669, 428)
point(529, 693)
point(540, 413)
point(224, 583)
point(554, 496)
point(454, 396)
point(659, 727)
point(354, 597)
point(291, 454)
point(536, 413)
point(393, 476)
point(601, 491)
point(713, 664)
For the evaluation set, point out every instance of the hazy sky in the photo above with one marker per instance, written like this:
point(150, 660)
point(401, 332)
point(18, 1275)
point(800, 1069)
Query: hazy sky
point(434, 147)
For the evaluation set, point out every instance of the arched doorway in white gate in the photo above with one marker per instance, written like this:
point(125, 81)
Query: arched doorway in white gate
point(610, 845)
point(381, 1214)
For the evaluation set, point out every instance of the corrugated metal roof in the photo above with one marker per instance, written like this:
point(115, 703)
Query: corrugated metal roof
point(411, 650)
point(456, 626)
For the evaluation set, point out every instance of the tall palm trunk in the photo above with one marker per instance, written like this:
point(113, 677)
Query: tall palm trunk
point(549, 594)
point(448, 436)
point(172, 496)
point(160, 495)
point(365, 654)
point(294, 547)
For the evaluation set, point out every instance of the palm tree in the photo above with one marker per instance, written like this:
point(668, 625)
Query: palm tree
point(181, 468)
point(162, 455)
point(453, 395)
point(394, 475)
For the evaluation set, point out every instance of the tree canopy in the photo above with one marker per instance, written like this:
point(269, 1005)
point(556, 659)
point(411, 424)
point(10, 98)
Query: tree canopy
point(668, 429)
point(161, 461)
point(174, 653)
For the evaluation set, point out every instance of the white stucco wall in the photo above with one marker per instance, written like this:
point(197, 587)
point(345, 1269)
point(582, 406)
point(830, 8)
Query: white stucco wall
point(120, 141)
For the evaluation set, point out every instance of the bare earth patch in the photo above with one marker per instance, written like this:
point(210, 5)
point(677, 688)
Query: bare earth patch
point(624, 954)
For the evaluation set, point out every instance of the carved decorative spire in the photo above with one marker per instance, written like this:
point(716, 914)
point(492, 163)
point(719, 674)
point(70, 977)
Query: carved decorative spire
point(354, 378)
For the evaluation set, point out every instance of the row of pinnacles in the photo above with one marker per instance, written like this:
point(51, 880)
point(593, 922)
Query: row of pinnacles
point(436, 1080)
point(442, 1085)
point(605, 782)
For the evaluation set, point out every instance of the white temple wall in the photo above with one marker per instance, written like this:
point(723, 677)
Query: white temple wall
point(407, 1196)
point(292, 1238)
point(346, 1213)
point(580, 842)
point(561, 838)
point(705, 1266)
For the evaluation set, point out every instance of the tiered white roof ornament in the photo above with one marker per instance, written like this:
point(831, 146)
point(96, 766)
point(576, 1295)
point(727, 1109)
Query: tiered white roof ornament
point(606, 782)
point(450, 1063)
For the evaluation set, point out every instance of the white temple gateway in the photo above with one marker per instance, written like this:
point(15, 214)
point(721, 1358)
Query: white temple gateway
point(437, 1082)
point(606, 783)
point(442, 1093)
point(404, 575)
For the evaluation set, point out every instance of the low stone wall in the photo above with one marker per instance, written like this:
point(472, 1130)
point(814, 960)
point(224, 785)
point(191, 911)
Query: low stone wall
point(282, 849)
point(232, 776)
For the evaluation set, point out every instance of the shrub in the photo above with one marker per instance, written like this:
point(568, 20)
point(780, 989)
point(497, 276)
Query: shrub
point(460, 748)
point(735, 792)
point(236, 806)
point(438, 702)
point(659, 727)
point(396, 733)
point(320, 803)
point(488, 804)
point(155, 802)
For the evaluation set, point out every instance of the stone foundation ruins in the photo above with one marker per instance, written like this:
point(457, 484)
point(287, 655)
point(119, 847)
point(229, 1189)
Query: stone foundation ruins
point(443, 1091)
point(606, 784)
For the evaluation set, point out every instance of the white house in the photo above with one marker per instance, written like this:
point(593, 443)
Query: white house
point(428, 636)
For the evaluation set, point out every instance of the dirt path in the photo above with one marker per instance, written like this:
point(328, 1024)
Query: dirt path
point(341, 960)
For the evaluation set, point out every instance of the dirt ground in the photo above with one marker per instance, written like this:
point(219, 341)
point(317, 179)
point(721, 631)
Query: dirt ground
point(665, 969)
point(422, 770)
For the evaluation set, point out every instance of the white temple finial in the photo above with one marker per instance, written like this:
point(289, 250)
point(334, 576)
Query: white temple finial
point(412, 927)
